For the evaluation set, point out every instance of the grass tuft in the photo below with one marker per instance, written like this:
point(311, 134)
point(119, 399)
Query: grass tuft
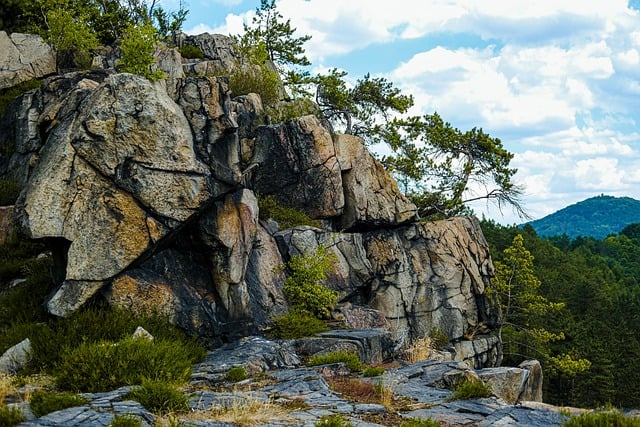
point(236, 374)
point(602, 419)
point(297, 324)
point(10, 416)
point(244, 412)
point(471, 389)
point(45, 402)
point(351, 359)
point(160, 398)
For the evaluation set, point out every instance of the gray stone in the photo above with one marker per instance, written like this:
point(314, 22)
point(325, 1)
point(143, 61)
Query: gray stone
point(24, 57)
point(533, 387)
point(16, 357)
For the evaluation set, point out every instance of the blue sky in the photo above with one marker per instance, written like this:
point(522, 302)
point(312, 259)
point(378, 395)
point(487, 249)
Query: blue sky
point(557, 81)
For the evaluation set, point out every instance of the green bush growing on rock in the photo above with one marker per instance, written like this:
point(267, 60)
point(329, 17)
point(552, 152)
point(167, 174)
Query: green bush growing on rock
point(45, 402)
point(303, 287)
point(107, 365)
point(237, 373)
point(372, 371)
point(287, 110)
point(269, 208)
point(138, 48)
point(471, 389)
point(351, 359)
point(57, 338)
point(159, 397)
point(10, 416)
point(419, 422)
point(602, 419)
point(297, 324)
point(439, 338)
point(126, 420)
point(191, 52)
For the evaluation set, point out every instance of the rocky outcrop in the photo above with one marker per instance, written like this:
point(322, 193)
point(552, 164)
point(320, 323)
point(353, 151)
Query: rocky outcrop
point(24, 57)
point(148, 195)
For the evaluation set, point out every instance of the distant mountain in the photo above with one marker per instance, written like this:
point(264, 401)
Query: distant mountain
point(595, 217)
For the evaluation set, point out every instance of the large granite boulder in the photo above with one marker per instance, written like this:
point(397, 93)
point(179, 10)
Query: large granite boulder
point(24, 57)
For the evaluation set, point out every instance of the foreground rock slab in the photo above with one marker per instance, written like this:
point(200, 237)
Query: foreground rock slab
point(278, 376)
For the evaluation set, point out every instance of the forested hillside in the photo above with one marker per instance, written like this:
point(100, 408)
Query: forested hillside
point(594, 217)
point(598, 282)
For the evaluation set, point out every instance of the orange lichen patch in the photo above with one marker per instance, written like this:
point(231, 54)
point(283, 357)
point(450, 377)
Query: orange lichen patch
point(156, 230)
point(141, 297)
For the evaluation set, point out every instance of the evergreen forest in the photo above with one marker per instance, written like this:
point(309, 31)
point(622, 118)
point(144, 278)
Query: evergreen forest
point(594, 285)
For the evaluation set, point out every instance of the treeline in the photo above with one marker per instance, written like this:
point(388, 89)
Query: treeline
point(597, 282)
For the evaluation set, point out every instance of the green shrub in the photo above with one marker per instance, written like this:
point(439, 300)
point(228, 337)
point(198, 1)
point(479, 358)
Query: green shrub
point(106, 365)
point(439, 338)
point(297, 324)
point(138, 48)
point(349, 358)
point(9, 191)
point(25, 302)
point(45, 402)
point(303, 287)
point(602, 419)
point(256, 75)
point(191, 52)
point(8, 95)
point(99, 325)
point(471, 389)
point(419, 422)
point(160, 397)
point(372, 371)
point(10, 416)
point(332, 421)
point(269, 208)
point(237, 373)
point(282, 111)
point(126, 420)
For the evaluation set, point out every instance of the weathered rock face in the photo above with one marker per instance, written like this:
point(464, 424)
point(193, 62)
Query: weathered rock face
point(24, 57)
point(147, 193)
point(372, 197)
point(424, 276)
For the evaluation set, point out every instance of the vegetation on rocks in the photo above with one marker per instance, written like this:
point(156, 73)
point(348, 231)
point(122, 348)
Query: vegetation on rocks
point(304, 284)
point(470, 389)
point(107, 365)
point(297, 324)
point(45, 402)
point(236, 374)
point(160, 397)
point(351, 359)
point(602, 419)
point(286, 217)
point(10, 416)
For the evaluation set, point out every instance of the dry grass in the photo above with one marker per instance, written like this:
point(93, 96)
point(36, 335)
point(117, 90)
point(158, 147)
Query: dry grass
point(357, 390)
point(243, 412)
point(6, 387)
point(421, 349)
point(18, 389)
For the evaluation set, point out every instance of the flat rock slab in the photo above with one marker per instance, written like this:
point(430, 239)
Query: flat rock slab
point(372, 345)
